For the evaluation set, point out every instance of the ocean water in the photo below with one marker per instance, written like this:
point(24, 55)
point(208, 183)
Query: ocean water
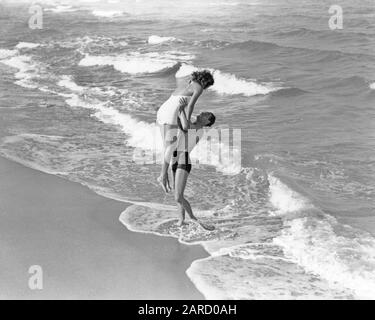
point(295, 218)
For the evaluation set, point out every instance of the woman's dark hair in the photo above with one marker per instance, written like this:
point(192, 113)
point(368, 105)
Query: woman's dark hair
point(210, 118)
point(204, 78)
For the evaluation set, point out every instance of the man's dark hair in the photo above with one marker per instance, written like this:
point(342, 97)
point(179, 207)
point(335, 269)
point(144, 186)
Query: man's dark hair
point(210, 117)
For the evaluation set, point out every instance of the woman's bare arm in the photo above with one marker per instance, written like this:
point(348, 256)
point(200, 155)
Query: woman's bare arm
point(197, 92)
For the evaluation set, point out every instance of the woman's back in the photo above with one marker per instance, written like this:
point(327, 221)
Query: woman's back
point(184, 87)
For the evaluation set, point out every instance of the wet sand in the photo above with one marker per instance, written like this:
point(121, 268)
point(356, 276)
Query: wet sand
point(83, 249)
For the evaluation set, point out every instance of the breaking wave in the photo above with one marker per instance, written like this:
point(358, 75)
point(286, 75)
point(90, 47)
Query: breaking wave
point(226, 83)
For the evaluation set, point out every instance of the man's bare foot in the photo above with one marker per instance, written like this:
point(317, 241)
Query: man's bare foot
point(164, 183)
point(204, 226)
point(181, 223)
point(207, 227)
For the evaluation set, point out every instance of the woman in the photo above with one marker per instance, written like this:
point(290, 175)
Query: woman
point(168, 113)
point(181, 159)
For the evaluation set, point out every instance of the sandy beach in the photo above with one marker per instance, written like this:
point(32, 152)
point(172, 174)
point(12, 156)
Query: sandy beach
point(83, 249)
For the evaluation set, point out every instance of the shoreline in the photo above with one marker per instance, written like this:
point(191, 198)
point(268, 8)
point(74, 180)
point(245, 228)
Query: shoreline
point(75, 235)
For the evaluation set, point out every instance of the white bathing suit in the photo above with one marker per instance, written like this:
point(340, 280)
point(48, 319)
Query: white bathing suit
point(168, 112)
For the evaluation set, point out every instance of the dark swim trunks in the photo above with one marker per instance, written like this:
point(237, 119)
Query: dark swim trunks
point(184, 166)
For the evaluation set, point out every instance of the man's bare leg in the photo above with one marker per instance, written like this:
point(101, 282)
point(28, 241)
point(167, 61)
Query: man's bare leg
point(183, 204)
point(181, 220)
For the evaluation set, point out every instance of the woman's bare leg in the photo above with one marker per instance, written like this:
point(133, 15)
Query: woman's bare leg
point(169, 136)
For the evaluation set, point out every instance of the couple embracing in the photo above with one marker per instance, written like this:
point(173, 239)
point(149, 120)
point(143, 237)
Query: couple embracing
point(174, 120)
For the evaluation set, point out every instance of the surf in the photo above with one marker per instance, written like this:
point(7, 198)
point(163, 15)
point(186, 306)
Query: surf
point(229, 84)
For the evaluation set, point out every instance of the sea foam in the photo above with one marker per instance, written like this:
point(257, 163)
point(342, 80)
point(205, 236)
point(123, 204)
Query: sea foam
point(157, 39)
point(26, 70)
point(284, 199)
point(27, 45)
point(338, 253)
point(61, 9)
point(107, 13)
point(67, 82)
point(132, 63)
point(5, 53)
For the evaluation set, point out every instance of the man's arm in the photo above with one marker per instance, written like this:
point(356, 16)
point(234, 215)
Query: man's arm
point(183, 120)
